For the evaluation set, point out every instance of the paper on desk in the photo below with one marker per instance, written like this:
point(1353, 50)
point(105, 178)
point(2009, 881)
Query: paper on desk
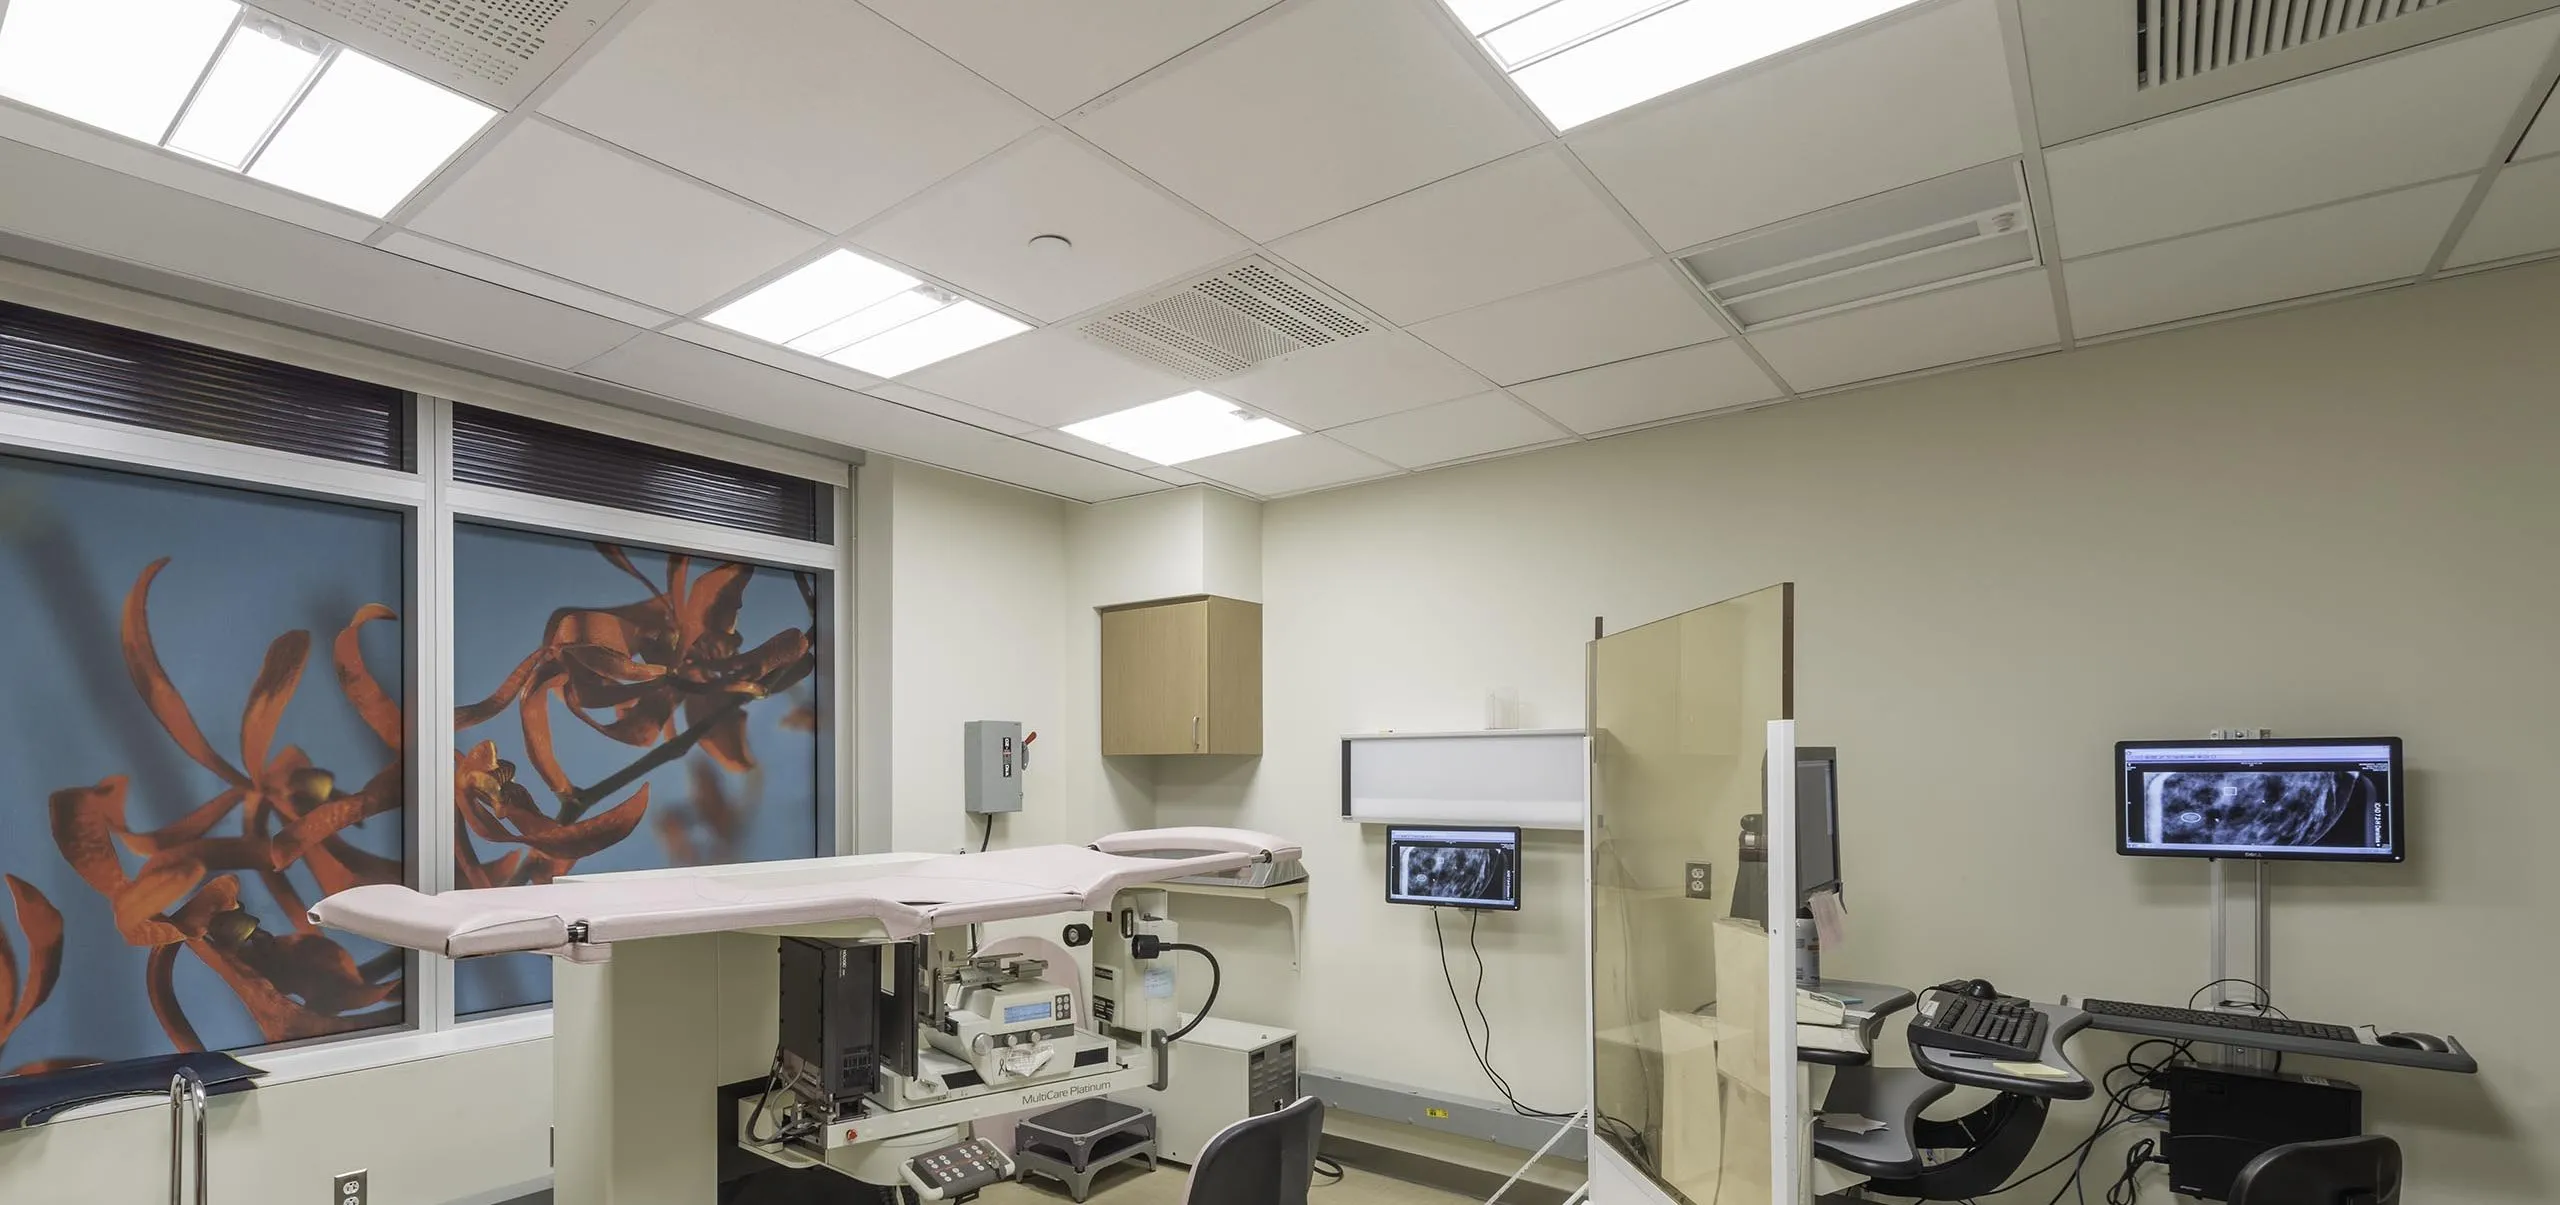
point(2031, 1070)
point(1824, 1037)
point(1830, 919)
point(1850, 1123)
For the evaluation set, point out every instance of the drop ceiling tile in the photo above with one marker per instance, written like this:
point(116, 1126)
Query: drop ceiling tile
point(65, 137)
point(2276, 259)
point(557, 203)
point(1057, 56)
point(1671, 384)
point(1173, 476)
point(1915, 97)
point(1321, 108)
point(70, 203)
point(742, 388)
point(1613, 316)
point(1499, 230)
point(722, 339)
point(974, 230)
point(2520, 216)
point(837, 374)
point(1089, 450)
point(934, 403)
point(2420, 115)
point(1048, 378)
point(1373, 375)
point(2544, 137)
point(523, 280)
point(1949, 326)
point(821, 109)
point(1290, 466)
point(1452, 430)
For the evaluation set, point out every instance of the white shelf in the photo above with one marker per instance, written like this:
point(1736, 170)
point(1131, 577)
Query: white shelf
point(1291, 898)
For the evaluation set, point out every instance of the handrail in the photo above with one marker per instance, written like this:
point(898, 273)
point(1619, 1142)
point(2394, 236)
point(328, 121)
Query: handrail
point(186, 1095)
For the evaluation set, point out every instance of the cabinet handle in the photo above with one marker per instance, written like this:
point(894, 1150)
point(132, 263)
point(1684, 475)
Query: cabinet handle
point(1195, 734)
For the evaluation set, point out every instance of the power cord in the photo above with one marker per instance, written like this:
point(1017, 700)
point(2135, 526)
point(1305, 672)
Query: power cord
point(1146, 947)
point(1483, 1055)
point(1330, 1168)
point(2126, 1191)
point(986, 834)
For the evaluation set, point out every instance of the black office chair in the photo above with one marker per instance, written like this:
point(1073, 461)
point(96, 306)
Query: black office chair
point(1266, 1160)
point(2340, 1171)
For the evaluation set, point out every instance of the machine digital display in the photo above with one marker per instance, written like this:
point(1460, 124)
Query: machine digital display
point(2333, 800)
point(1454, 867)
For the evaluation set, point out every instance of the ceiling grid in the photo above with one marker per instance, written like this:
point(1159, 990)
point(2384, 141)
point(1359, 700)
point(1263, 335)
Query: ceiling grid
point(1513, 272)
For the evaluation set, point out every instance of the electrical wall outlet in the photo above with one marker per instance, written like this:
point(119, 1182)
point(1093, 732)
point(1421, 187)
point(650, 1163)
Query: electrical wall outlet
point(1700, 881)
point(349, 1188)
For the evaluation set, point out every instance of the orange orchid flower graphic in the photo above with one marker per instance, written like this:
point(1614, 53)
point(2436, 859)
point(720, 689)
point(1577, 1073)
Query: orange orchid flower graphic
point(24, 989)
point(186, 893)
point(670, 674)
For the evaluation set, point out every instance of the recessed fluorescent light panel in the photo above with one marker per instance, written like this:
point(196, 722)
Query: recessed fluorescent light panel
point(1582, 59)
point(1181, 428)
point(864, 315)
point(240, 89)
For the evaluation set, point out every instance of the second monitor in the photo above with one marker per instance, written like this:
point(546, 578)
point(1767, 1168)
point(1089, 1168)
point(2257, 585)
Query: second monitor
point(1453, 867)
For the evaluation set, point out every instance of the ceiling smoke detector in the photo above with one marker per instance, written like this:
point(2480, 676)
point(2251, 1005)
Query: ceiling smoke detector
point(1932, 235)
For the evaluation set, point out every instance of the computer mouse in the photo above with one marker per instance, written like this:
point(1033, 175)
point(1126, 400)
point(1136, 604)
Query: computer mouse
point(2414, 1041)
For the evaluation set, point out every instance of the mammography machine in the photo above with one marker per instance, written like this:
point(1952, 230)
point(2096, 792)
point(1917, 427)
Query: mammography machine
point(852, 996)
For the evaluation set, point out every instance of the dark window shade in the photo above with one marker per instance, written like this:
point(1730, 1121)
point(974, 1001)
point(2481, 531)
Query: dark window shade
point(71, 365)
point(516, 453)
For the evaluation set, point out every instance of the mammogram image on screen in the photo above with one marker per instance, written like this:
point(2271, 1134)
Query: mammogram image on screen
point(2253, 807)
point(1455, 872)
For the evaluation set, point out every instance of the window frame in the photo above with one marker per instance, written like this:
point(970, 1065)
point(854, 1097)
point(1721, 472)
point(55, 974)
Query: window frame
point(430, 503)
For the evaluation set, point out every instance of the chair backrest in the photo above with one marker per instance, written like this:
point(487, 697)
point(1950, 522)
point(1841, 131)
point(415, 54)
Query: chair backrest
point(1265, 1160)
point(2340, 1171)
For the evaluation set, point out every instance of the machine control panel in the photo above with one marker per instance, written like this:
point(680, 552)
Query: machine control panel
point(957, 1172)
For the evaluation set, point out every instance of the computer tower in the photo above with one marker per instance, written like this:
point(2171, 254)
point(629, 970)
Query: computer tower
point(1222, 1072)
point(830, 1016)
point(2220, 1118)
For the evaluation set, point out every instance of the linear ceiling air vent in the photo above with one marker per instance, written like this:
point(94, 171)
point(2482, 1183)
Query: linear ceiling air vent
point(1229, 321)
point(493, 51)
point(1931, 235)
point(2182, 39)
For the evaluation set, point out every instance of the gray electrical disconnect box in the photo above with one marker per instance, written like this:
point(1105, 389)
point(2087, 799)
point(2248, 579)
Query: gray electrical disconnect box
point(994, 782)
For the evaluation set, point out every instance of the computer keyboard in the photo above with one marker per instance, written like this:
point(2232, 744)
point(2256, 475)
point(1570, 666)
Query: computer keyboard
point(2244, 1022)
point(2003, 1027)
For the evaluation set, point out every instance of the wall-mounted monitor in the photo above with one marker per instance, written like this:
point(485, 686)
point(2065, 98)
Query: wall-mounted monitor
point(2328, 799)
point(1454, 867)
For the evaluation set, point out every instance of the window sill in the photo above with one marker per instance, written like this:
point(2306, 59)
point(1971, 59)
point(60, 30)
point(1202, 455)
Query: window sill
point(357, 1054)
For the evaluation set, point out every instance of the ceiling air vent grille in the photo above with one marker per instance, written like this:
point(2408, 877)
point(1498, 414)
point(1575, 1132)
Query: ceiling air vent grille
point(1228, 322)
point(494, 51)
point(2182, 39)
point(1957, 228)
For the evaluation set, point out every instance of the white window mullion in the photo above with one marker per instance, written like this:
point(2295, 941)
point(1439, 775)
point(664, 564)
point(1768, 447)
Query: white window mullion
point(129, 448)
point(431, 723)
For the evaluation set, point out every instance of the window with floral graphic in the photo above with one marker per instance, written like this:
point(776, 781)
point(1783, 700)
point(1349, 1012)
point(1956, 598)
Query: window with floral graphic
point(624, 708)
point(201, 734)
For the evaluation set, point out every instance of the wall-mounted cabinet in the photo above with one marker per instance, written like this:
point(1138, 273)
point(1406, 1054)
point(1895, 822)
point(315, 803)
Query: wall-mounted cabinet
point(1182, 675)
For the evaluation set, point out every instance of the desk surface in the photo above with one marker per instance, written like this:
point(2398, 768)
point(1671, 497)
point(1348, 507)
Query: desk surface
point(1869, 1005)
point(1985, 1071)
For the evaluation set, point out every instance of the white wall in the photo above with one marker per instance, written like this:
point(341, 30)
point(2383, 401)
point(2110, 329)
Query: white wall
point(2340, 520)
point(975, 573)
point(471, 1127)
